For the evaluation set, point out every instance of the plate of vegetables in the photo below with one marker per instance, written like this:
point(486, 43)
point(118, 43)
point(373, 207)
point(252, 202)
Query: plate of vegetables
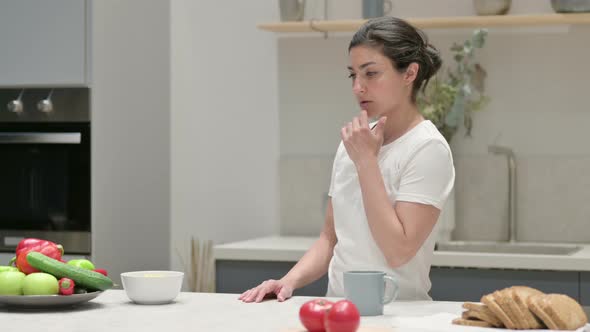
point(41, 278)
point(47, 301)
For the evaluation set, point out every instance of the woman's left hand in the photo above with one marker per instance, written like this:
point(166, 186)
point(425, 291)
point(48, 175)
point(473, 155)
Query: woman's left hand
point(362, 143)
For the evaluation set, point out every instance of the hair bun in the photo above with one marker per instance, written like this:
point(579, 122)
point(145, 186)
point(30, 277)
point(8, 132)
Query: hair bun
point(433, 55)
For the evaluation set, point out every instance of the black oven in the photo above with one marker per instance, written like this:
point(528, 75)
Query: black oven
point(45, 177)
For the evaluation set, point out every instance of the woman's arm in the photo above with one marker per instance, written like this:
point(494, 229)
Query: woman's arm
point(312, 266)
point(398, 230)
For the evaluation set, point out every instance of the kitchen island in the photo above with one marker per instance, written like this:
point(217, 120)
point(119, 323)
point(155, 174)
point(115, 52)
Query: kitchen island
point(112, 311)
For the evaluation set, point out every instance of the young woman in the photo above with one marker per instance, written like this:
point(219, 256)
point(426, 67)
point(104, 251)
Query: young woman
point(390, 177)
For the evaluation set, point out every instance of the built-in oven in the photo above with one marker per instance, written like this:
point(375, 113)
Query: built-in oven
point(45, 170)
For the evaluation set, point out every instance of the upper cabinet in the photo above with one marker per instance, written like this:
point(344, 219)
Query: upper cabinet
point(44, 43)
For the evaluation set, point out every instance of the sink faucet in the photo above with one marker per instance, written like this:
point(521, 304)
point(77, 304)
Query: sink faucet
point(511, 188)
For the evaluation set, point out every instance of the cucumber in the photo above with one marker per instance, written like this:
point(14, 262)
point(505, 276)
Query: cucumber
point(82, 277)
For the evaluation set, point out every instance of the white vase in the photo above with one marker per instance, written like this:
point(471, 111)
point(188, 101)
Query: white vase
point(446, 220)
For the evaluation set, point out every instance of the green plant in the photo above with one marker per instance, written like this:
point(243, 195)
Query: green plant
point(451, 99)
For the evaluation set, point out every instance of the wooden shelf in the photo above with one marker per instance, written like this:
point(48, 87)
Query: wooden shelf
point(435, 22)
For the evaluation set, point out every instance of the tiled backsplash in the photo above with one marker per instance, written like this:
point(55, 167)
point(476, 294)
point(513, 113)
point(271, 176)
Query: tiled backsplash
point(552, 194)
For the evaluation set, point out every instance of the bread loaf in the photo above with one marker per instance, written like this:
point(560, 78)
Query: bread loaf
point(481, 312)
point(558, 311)
point(522, 307)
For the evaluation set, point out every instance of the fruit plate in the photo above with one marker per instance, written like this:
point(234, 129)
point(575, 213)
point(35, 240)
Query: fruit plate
point(46, 301)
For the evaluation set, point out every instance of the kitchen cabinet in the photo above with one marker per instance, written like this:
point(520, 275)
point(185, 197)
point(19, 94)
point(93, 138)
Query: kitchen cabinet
point(585, 288)
point(232, 276)
point(448, 284)
point(462, 284)
point(44, 43)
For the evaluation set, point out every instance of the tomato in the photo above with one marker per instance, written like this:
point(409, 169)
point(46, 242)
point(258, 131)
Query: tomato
point(312, 314)
point(342, 317)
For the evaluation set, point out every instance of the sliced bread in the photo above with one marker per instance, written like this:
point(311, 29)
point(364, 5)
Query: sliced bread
point(481, 312)
point(558, 311)
point(492, 302)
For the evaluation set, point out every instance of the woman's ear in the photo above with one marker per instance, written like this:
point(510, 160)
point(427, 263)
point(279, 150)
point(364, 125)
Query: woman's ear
point(411, 73)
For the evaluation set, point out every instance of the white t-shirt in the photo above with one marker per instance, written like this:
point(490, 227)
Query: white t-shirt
point(416, 167)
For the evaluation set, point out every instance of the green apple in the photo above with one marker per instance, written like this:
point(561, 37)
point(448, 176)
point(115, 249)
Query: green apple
point(11, 283)
point(82, 263)
point(40, 283)
point(4, 268)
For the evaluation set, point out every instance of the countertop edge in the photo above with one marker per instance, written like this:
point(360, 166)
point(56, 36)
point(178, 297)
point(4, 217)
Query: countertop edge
point(262, 249)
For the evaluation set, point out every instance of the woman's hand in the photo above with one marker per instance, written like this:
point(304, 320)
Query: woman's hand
point(277, 287)
point(360, 141)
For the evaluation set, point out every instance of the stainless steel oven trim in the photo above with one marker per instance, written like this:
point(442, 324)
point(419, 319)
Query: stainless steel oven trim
point(40, 138)
point(73, 242)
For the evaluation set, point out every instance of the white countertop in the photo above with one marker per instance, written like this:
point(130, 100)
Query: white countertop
point(113, 312)
point(291, 249)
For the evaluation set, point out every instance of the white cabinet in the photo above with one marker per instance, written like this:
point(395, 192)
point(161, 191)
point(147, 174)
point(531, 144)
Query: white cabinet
point(43, 43)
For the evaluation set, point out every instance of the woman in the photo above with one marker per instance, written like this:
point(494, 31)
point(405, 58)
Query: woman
point(390, 178)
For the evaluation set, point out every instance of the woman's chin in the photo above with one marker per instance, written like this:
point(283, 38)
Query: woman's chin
point(372, 115)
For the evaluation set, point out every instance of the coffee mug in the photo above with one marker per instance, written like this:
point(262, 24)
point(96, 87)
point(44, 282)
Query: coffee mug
point(368, 291)
point(376, 8)
point(292, 10)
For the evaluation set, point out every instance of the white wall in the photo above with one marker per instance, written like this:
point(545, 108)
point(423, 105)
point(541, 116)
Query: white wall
point(537, 82)
point(225, 134)
point(130, 135)
point(185, 128)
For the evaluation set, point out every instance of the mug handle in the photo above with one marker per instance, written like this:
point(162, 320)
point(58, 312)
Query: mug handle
point(388, 6)
point(393, 289)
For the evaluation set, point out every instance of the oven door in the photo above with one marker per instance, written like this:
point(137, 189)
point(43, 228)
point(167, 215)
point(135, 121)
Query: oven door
point(45, 184)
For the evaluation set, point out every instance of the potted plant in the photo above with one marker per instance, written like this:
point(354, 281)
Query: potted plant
point(451, 97)
point(449, 100)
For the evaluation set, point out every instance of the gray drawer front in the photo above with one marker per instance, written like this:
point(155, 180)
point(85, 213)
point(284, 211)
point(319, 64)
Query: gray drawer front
point(239, 276)
point(457, 284)
point(585, 288)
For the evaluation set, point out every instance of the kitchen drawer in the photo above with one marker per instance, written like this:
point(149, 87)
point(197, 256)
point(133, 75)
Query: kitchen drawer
point(585, 288)
point(239, 276)
point(459, 284)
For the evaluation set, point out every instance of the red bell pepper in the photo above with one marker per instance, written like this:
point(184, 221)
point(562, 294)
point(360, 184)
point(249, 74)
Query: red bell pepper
point(66, 286)
point(45, 247)
point(28, 243)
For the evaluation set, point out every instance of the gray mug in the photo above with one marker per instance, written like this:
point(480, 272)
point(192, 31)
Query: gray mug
point(376, 8)
point(367, 290)
point(292, 10)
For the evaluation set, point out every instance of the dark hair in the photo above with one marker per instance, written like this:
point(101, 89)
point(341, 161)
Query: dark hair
point(402, 44)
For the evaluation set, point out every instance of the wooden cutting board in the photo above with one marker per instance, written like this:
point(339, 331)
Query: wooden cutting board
point(361, 329)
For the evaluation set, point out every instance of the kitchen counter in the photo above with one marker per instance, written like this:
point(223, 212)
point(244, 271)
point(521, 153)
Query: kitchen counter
point(290, 249)
point(112, 311)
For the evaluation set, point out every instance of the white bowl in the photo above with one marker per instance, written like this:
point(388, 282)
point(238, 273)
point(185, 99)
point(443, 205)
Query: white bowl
point(152, 287)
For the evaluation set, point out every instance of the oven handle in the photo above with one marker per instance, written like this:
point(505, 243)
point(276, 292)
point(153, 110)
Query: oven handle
point(40, 138)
